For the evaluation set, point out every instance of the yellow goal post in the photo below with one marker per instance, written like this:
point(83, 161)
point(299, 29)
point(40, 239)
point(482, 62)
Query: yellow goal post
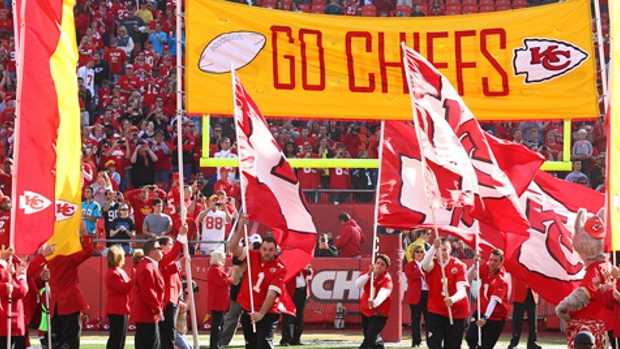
point(206, 161)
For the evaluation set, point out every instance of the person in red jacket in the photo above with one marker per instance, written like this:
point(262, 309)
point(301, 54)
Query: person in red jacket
point(67, 301)
point(442, 334)
point(218, 288)
point(14, 287)
point(417, 294)
point(118, 286)
point(375, 311)
point(493, 298)
point(34, 275)
point(350, 238)
point(147, 307)
point(172, 285)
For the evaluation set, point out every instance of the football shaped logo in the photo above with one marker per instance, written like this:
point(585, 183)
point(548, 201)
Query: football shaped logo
point(545, 59)
point(236, 50)
point(64, 210)
point(32, 202)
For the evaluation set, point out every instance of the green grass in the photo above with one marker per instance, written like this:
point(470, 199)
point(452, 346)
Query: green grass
point(334, 339)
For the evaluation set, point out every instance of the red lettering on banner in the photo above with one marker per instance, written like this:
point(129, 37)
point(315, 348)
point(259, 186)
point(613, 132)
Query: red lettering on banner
point(353, 87)
point(383, 64)
point(505, 90)
point(291, 59)
point(430, 37)
point(460, 64)
point(304, 61)
point(557, 236)
point(548, 56)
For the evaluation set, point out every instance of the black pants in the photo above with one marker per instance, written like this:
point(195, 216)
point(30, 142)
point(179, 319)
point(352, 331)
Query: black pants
point(372, 327)
point(168, 326)
point(417, 310)
point(263, 338)
point(519, 310)
point(442, 335)
point(491, 331)
point(67, 330)
point(118, 331)
point(147, 336)
point(217, 320)
point(18, 342)
point(293, 326)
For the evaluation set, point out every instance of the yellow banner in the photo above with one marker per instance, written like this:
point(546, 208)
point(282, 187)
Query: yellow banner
point(66, 236)
point(613, 137)
point(532, 63)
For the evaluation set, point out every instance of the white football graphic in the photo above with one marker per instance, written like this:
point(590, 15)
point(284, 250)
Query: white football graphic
point(236, 50)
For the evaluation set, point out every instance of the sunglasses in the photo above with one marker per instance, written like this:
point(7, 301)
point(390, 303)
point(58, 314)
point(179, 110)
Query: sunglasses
point(419, 251)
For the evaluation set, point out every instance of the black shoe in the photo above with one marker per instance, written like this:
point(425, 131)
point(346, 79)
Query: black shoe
point(533, 346)
point(296, 343)
point(284, 344)
point(511, 346)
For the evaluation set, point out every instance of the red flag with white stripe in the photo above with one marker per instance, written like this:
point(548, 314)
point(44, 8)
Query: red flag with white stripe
point(272, 190)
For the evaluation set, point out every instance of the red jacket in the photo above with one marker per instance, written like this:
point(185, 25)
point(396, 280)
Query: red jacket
point(148, 292)
point(67, 298)
point(32, 301)
point(218, 289)
point(20, 288)
point(171, 273)
point(349, 240)
point(118, 284)
point(415, 275)
point(380, 281)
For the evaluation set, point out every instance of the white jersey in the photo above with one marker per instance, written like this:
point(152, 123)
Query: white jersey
point(213, 228)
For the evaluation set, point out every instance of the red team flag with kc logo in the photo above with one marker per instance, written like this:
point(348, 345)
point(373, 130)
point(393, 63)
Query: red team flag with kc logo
point(273, 193)
point(47, 174)
point(403, 200)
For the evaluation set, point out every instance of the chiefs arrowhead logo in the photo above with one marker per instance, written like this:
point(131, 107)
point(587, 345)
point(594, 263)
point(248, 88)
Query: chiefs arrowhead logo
point(545, 59)
point(32, 202)
point(64, 210)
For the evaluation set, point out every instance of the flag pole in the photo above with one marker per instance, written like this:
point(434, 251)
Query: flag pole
point(429, 197)
point(478, 305)
point(601, 53)
point(179, 99)
point(243, 201)
point(19, 49)
point(376, 215)
point(48, 291)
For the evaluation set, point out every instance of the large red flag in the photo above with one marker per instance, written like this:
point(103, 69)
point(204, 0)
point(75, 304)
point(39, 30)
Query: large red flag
point(46, 182)
point(495, 172)
point(545, 259)
point(273, 194)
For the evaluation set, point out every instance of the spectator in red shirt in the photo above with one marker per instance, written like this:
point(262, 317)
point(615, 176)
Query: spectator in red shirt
point(417, 293)
point(5, 219)
point(350, 238)
point(116, 59)
point(340, 178)
point(218, 301)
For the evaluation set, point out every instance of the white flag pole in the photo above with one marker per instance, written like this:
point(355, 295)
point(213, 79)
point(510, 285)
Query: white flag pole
point(601, 53)
point(243, 201)
point(427, 190)
point(376, 216)
point(188, 265)
point(48, 317)
point(478, 305)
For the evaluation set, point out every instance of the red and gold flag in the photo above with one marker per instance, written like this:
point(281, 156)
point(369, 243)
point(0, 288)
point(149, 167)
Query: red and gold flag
point(47, 183)
point(613, 133)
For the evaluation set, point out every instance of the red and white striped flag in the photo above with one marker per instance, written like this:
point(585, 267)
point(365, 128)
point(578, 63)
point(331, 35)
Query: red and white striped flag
point(273, 193)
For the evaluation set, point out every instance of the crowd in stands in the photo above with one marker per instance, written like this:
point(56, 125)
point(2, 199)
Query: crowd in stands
point(127, 93)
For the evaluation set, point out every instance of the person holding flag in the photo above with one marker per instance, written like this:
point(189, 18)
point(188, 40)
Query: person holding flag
point(493, 297)
point(267, 285)
point(375, 311)
point(444, 332)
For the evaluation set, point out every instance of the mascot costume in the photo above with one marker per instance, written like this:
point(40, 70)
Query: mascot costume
point(591, 307)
